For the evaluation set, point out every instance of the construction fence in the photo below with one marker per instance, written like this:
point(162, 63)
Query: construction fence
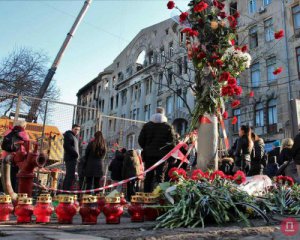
point(47, 120)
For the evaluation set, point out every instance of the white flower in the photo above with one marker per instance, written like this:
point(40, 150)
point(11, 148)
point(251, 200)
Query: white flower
point(238, 55)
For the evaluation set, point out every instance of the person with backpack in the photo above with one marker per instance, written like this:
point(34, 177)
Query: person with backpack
point(131, 168)
point(9, 145)
point(257, 156)
point(93, 161)
point(116, 167)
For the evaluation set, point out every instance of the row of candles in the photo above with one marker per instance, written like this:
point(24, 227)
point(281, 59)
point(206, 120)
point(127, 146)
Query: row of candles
point(142, 207)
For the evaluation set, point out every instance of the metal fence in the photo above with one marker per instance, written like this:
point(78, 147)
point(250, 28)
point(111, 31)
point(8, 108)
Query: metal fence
point(53, 118)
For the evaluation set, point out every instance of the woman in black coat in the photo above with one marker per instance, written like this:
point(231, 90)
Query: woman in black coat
point(243, 150)
point(93, 165)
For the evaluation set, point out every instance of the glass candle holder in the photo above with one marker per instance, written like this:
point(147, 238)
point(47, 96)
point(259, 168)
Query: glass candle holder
point(6, 207)
point(24, 210)
point(89, 210)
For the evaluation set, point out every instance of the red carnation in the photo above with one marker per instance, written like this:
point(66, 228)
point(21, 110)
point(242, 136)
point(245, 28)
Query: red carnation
point(245, 48)
point(183, 16)
point(278, 71)
point(225, 115)
point(218, 4)
point(232, 21)
point(238, 90)
point(197, 174)
point(234, 120)
point(227, 91)
point(231, 81)
point(219, 62)
point(224, 76)
point(284, 180)
point(190, 32)
point(201, 55)
point(174, 173)
point(171, 5)
point(214, 56)
point(222, 15)
point(236, 14)
point(279, 34)
point(251, 94)
point(232, 41)
point(235, 103)
point(217, 174)
point(229, 177)
point(200, 7)
point(239, 177)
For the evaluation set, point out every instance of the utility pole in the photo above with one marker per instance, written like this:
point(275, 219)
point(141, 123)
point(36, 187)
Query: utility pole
point(287, 57)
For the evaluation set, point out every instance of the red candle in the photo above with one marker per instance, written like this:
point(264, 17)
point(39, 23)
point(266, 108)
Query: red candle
point(65, 210)
point(151, 212)
point(113, 210)
point(6, 207)
point(43, 208)
point(89, 210)
point(24, 210)
point(136, 209)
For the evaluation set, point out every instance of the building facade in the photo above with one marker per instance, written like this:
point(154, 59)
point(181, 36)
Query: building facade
point(150, 72)
point(268, 112)
point(153, 70)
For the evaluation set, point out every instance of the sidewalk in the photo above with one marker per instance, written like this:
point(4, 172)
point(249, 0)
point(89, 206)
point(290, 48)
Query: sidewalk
point(130, 231)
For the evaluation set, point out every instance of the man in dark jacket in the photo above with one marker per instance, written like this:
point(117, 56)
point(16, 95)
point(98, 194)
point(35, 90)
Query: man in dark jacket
point(296, 152)
point(71, 155)
point(257, 155)
point(157, 138)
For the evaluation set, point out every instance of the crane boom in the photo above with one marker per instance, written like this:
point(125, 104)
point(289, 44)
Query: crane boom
point(36, 102)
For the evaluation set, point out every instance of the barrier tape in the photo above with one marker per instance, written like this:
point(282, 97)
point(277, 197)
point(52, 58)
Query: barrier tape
point(166, 157)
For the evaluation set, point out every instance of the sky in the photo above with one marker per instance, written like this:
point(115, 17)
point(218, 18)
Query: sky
point(107, 28)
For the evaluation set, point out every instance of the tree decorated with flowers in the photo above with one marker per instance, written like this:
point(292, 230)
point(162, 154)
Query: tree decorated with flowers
point(218, 60)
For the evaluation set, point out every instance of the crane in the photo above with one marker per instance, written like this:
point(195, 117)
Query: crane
point(36, 102)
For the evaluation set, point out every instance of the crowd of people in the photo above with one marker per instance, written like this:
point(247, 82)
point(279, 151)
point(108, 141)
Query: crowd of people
point(156, 139)
point(248, 154)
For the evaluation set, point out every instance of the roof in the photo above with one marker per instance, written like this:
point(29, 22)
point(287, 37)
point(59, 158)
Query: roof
point(93, 82)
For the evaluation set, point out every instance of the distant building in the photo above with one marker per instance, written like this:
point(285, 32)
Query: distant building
point(145, 75)
point(268, 112)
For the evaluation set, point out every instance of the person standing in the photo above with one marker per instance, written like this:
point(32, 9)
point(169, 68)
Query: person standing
point(257, 155)
point(116, 167)
point(11, 137)
point(131, 168)
point(156, 138)
point(243, 150)
point(286, 151)
point(93, 161)
point(71, 155)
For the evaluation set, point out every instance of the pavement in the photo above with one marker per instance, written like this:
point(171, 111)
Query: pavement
point(136, 231)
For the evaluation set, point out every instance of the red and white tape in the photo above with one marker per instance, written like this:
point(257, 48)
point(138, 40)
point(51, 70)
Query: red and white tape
point(166, 157)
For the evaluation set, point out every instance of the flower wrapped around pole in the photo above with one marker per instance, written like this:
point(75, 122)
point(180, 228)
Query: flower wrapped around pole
point(211, 42)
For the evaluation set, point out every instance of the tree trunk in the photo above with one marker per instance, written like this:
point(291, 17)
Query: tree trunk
point(207, 149)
